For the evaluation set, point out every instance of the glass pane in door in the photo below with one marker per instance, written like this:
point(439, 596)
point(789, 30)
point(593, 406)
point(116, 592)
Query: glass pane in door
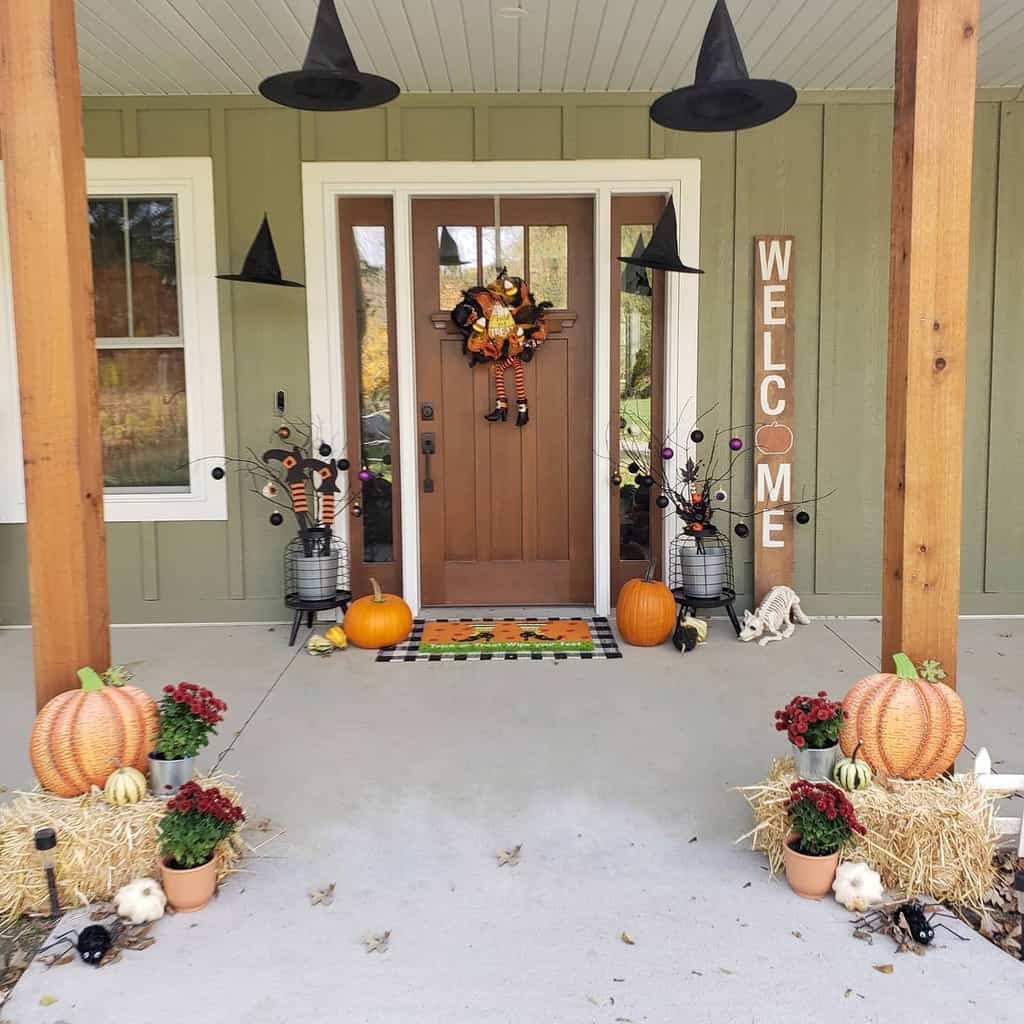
point(509, 254)
point(636, 310)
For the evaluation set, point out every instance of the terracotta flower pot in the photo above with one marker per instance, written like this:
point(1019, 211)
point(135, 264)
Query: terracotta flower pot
point(810, 877)
point(189, 889)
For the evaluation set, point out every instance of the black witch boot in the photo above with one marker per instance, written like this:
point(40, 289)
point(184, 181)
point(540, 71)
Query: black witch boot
point(500, 412)
point(522, 413)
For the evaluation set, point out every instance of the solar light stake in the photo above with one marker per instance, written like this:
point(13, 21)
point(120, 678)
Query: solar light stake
point(46, 843)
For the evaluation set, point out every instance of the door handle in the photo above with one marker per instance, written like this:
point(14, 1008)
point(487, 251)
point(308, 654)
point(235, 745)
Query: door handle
point(429, 447)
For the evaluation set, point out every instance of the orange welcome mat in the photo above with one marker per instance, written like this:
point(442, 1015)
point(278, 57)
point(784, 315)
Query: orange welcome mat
point(509, 639)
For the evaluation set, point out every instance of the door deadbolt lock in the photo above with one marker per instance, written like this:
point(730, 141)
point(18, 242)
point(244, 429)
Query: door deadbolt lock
point(426, 410)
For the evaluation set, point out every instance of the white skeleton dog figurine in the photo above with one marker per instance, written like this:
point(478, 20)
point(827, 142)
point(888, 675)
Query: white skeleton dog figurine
point(774, 618)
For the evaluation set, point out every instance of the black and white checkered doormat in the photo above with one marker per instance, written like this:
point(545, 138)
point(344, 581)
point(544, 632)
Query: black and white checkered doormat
point(600, 631)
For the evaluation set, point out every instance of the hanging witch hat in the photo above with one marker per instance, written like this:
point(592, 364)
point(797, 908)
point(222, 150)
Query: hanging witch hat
point(723, 96)
point(634, 278)
point(329, 78)
point(448, 254)
point(261, 265)
point(662, 251)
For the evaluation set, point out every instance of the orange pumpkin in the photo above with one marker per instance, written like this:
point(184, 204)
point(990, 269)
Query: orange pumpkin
point(378, 620)
point(81, 736)
point(910, 727)
point(645, 610)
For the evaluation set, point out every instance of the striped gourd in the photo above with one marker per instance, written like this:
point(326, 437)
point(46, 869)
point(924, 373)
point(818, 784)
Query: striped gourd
point(125, 786)
point(910, 727)
point(851, 773)
point(81, 736)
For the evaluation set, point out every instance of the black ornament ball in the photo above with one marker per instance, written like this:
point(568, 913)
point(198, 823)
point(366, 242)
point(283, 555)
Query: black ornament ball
point(343, 464)
point(697, 436)
point(661, 501)
point(386, 459)
point(741, 530)
point(633, 468)
point(276, 519)
point(217, 472)
point(647, 480)
point(324, 449)
point(284, 432)
point(803, 517)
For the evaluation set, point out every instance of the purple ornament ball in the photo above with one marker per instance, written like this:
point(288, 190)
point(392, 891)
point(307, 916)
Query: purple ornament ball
point(735, 444)
point(365, 475)
point(666, 452)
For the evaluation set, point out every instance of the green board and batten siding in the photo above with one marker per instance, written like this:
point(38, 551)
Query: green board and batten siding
point(821, 174)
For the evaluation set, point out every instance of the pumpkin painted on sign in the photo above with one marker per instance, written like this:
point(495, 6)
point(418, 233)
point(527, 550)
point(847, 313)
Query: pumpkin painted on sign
point(909, 727)
point(645, 610)
point(82, 735)
point(378, 620)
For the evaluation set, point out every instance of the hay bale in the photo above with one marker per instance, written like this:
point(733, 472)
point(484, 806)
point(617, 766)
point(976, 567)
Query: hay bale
point(99, 847)
point(929, 837)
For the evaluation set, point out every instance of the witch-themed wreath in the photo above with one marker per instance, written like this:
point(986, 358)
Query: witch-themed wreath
point(502, 324)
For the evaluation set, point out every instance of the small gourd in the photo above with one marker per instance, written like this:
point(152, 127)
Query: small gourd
point(851, 772)
point(124, 786)
point(857, 886)
point(140, 901)
point(337, 636)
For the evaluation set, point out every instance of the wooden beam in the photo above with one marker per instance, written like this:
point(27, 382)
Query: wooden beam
point(44, 169)
point(933, 137)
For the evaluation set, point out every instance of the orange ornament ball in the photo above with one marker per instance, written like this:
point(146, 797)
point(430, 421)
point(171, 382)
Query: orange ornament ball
point(378, 620)
point(645, 610)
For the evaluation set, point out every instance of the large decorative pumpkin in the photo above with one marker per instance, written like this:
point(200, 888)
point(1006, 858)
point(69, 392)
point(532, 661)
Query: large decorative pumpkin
point(378, 620)
point(908, 727)
point(645, 610)
point(81, 736)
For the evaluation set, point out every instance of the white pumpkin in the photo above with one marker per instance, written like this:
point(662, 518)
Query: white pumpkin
point(141, 901)
point(125, 786)
point(857, 886)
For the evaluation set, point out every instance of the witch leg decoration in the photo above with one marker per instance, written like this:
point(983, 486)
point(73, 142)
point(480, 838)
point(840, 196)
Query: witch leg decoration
point(522, 415)
point(500, 411)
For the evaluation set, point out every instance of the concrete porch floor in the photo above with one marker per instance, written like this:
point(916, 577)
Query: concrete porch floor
point(398, 782)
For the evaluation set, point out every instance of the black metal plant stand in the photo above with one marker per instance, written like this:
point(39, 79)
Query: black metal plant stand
point(705, 580)
point(309, 608)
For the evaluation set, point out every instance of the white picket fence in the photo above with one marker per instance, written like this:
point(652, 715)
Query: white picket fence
point(1009, 830)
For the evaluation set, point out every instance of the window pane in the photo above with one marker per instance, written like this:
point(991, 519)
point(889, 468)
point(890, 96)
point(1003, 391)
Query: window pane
point(457, 262)
point(374, 390)
point(109, 267)
point(510, 255)
point(635, 348)
point(549, 264)
point(142, 418)
point(153, 246)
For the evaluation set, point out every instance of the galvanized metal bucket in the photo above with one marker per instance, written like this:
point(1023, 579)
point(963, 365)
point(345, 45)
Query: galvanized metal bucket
point(316, 576)
point(704, 571)
point(168, 775)
point(815, 765)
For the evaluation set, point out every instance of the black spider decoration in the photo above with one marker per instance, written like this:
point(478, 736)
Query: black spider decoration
point(91, 943)
point(907, 919)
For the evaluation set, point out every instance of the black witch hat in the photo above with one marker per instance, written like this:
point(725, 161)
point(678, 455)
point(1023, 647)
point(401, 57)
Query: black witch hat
point(261, 265)
point(329, 79)
point(634, 278)
point(662, 251)
point(448, 254)
point(723, 96)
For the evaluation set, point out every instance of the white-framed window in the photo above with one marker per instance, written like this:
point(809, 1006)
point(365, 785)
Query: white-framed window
point(151, 225)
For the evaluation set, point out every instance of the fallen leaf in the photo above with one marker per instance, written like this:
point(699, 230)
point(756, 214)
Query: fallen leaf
point(796, 935)
point(591, 999)
point(700, 974)
point(746, 885)
point(377, 943)
point(102, 910)
point(883, 968)
point(59, 961)
point(113, 957)
point(987, 925)
point(324, 897)
point(627, 940)
point(47, 1000)
point(260, 825)
point(620, 980)
point(864, 935)
point(725, 970)
point(693, 840)
point(509, 857)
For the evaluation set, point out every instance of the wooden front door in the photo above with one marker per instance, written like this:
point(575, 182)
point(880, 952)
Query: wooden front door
point(506, 512)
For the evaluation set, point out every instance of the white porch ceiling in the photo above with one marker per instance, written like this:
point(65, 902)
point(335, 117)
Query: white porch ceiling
point(201, 47)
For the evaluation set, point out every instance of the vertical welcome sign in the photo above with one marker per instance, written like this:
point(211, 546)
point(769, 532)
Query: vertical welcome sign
point(774, 266)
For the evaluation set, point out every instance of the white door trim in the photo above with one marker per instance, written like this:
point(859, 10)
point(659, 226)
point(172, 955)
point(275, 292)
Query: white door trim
point(324, 183)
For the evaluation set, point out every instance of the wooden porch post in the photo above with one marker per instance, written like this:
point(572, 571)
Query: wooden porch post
point(44, 168)
point(936, 58)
